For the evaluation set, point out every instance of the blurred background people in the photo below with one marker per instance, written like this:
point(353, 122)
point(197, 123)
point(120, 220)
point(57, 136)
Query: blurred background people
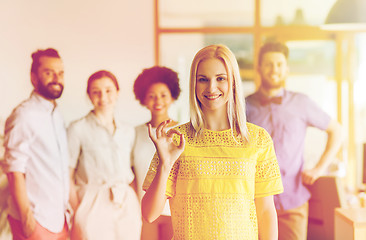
point(286, 115)
point(102, 190)
point(36, 156)
point(156, 88)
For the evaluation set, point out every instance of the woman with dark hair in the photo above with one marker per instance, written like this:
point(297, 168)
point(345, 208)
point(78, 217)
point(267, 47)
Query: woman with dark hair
point(156, 88)
point(105, 203)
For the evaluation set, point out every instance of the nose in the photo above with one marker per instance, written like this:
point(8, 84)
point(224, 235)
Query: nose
point(212, 84)
point(275, 68)
point(158, 100)
point(57, 78)
point(102, 95)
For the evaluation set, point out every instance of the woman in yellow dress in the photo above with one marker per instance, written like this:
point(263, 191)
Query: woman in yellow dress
point(218, 171)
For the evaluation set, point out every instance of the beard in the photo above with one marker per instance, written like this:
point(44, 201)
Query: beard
point(49, 92)
point(268, 84)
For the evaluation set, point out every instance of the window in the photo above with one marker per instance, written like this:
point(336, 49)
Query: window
point(319, 60)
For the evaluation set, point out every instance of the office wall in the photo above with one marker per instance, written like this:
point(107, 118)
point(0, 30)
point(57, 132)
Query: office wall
point(90, 35)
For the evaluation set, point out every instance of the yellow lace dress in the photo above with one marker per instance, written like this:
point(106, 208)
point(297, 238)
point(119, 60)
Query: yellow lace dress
point(212, 186)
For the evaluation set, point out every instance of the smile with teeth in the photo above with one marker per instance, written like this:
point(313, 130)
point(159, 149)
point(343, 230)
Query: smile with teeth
point(212, 97)
point(158, 108)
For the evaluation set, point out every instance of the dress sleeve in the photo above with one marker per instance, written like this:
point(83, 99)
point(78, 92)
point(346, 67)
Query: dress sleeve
point(267, 177)
point(170, 188)
point(132, 145)
point(74, 144)
point(17, 142)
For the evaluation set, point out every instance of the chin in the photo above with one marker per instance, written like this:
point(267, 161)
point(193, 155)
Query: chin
point(104, 108)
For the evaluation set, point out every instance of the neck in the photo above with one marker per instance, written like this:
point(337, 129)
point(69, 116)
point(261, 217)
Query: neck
point(216, 120)
point(53, 101)
point(157, 119)
point(106, 118)
point(271, 92)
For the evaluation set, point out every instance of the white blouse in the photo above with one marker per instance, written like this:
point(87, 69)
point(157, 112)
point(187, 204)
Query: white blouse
point(109, 207)
point(98, 156)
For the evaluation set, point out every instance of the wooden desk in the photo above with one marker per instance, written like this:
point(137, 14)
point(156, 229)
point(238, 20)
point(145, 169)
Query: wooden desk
point(350, 223)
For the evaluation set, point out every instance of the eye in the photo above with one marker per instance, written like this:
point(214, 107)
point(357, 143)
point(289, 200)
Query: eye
point(47, 73)
point(221, 79)
point(268, 65)
point(202, 79)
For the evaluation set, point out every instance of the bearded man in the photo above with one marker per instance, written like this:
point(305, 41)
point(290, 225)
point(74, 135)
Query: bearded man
point(286, 115)
point(36, 156)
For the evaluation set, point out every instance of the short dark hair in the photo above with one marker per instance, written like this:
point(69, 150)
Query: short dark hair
point(156, 74)
point(100, 74)
point(272, 47)
point(49, 52)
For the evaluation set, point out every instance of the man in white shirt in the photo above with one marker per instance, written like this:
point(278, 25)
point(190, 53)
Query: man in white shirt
point(36, 156)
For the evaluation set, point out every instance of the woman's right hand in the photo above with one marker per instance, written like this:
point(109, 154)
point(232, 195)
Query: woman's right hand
point(167, 151)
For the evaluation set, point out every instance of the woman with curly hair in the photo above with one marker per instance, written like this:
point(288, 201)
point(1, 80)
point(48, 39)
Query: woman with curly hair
point(156, 88)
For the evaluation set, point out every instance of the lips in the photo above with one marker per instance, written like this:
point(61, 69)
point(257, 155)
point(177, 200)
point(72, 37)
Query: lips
point(158, 108)
point(213, 97)
point(55, 85)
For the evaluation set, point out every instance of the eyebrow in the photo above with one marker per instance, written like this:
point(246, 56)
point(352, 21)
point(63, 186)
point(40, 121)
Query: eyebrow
point(52, 70)
point(48, 69)
point(220, 74)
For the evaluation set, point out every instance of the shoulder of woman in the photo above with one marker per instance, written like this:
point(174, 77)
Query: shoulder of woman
point(258, 135)
point(77, 124)
point(182, 127)
point(141, 127)
point(124, 125)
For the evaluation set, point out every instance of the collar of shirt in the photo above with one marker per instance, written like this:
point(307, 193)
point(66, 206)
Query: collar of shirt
point(44, 103)
point(91, 116)
point(265, 100)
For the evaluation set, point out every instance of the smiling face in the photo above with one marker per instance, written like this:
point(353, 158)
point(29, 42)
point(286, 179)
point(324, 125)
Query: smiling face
point(158, 99)
point(48, 81)
point(212, 85)
point(273, 70)
point(103, 94)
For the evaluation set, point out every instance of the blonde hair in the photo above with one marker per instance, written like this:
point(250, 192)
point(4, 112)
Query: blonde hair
point(235, 104)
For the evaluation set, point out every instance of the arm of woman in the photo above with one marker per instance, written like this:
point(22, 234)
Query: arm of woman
point(267, 218)
point(133, 184)
point(73, 198)
point(154, 200)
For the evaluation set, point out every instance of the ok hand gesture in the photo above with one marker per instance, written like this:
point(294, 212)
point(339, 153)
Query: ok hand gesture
point(167, 151)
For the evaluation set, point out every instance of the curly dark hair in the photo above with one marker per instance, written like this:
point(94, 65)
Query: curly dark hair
point(156, 74)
